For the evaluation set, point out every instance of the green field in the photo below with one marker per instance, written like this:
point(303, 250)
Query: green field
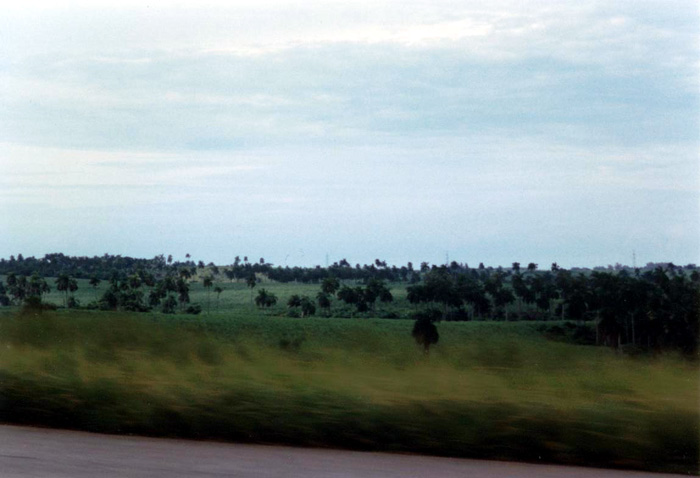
point(496, 390)
point(236, 297)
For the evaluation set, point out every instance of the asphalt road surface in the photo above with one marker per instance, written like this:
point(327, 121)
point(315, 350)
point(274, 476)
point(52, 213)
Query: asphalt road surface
point(37, 452)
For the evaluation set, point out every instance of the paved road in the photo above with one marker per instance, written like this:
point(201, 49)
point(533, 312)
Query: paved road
point(36, 452)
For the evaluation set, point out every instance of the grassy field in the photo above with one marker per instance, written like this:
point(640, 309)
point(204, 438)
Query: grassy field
point(496, 390)
point(236, 297)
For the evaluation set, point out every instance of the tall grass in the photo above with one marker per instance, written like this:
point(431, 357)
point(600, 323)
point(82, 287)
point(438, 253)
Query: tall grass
point(486, 390)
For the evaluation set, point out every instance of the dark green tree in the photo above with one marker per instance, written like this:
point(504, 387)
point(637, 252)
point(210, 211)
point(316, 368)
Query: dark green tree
point(251, 282)
point(63, 282)
point(324, 301)
point(94, 283)
point(424, 331)
point(265, 299)
point(208, 283)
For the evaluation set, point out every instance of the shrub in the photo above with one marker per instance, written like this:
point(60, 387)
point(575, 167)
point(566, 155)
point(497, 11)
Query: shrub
point(194, 309)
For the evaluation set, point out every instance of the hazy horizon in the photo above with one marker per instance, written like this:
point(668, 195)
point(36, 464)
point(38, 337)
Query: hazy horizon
point(491, 132)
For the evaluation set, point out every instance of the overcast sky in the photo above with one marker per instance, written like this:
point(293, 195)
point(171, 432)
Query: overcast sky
point(490, 132)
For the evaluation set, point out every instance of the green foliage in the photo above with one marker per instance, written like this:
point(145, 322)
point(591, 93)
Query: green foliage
point(424, 331)
point(193, 309)
point(169, 305)
point(490, 390)
point(265, 299)
point(645, 311)
point(300, 306)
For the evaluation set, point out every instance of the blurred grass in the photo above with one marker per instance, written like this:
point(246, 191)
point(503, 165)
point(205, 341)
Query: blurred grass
point(496, 390)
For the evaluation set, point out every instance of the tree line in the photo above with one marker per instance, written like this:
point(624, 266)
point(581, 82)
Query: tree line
point(647, 308)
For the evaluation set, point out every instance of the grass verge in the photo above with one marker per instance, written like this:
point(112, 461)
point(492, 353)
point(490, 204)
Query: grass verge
point(487, 390)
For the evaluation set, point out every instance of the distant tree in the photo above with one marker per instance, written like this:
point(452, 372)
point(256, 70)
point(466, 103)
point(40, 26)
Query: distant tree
point(218, 291)
point(19, 290)
point(439, 287)
point(37, 287)
point(11, 278)
point(94, 283)
point(294, 300)
point(72, 287)
point(148, 279)
point(376, 289)
point(516, 267)
point(324, 301)
point(169, 305)
point(251, 282)
point(63, 282)
point(134, 281)
point(265, 299)
point(352, 296)
point(183, 292)
point(185, 273)
point(208, 283)
point(307, 307)
point(330, 285)
point(532, 267)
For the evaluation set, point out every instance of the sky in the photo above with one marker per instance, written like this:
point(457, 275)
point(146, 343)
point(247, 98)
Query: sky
point(302, 132)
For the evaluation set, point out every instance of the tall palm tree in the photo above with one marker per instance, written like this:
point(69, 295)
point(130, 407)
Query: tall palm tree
point(251, 282)
point(94, 282)
point(63, 285)
point(208, 282)
point(218, 291)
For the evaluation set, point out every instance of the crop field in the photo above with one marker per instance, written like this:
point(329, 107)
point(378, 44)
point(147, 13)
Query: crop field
point(496, 390)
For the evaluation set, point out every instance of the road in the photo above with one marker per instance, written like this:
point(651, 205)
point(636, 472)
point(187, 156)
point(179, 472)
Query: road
point(36, 452)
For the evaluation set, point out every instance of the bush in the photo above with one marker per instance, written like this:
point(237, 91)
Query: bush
point(194, 309)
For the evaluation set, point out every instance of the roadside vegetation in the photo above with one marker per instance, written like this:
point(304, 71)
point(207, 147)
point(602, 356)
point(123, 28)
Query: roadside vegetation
point(597, 368)
point(496, 390)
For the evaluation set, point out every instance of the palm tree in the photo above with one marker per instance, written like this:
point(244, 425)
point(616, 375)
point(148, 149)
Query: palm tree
point(307, 306)
point(329, 287)
point(251, 282)
point(94, 282)
point(208, 282)
point(265, 299)
point(218, 291)
point(183, 292)
point(324, 301)
point(63, 285)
